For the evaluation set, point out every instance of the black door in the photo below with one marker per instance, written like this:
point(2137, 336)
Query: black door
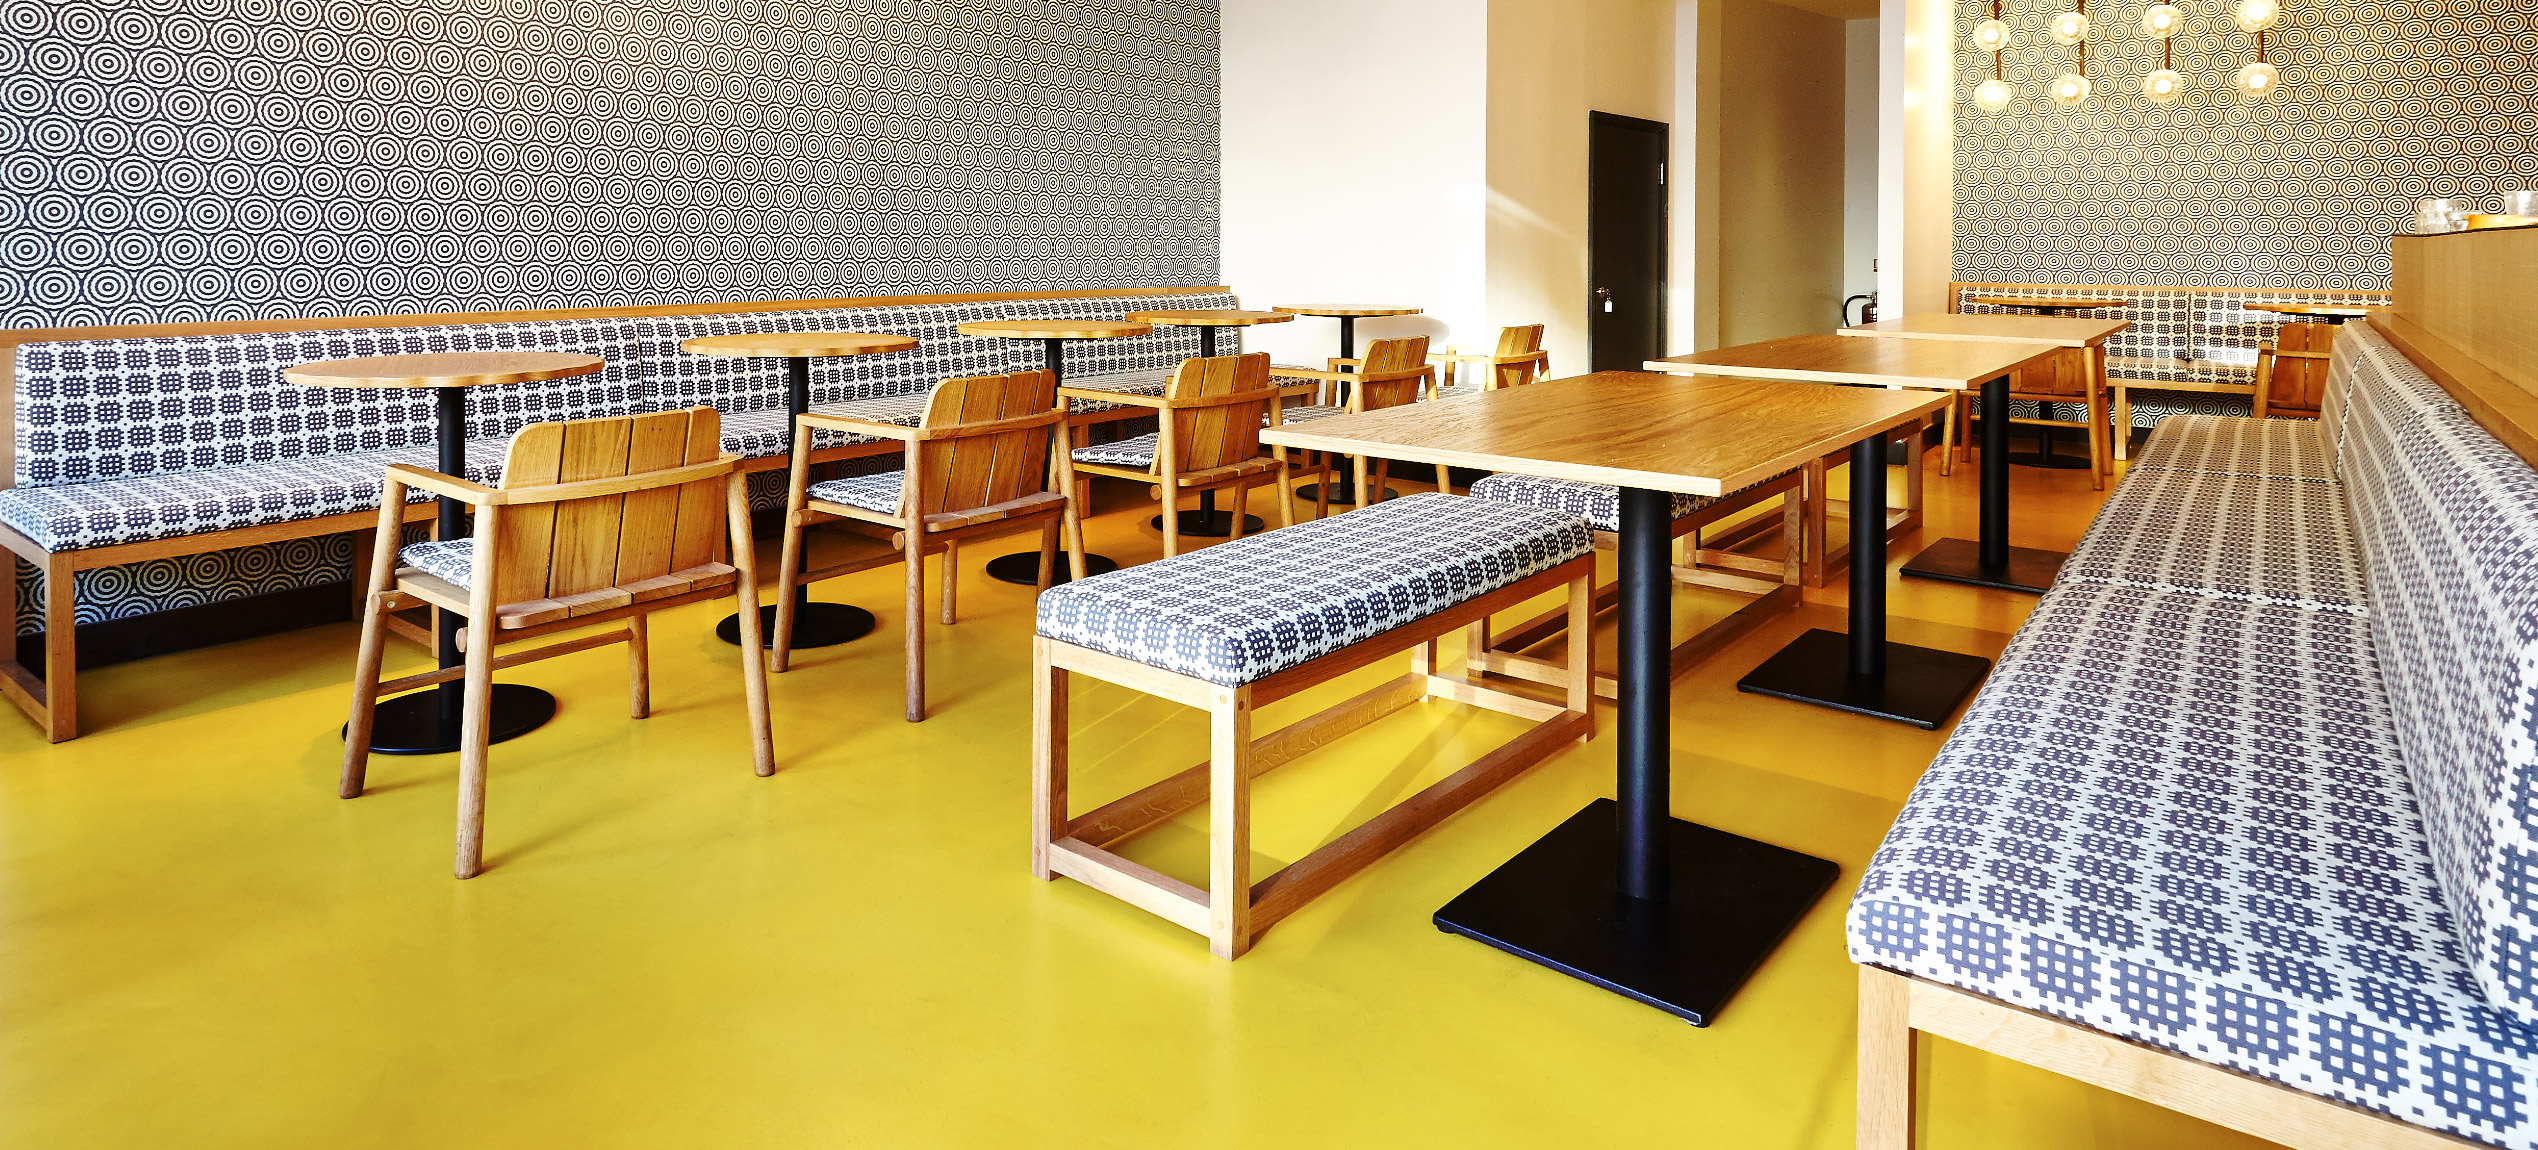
point(1625, 239)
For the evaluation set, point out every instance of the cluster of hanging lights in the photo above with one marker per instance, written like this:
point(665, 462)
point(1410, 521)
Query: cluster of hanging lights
point(2164, 85)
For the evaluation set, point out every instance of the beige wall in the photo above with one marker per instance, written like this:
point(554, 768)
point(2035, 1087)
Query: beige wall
point(1780, 171)
point(1916, 156)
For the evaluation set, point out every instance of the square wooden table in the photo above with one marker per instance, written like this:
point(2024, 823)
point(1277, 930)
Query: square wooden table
point(1671, 913)
point(2086, 335)
point(1944, 364)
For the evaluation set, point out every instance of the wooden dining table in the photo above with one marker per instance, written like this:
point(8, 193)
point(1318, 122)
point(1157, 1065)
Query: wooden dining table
point(1947, 365)
point(2084, 335)
point(1623, 895)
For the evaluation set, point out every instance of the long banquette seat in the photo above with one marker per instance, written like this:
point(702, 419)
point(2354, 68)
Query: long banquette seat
point(141, 448)
point(2254, 785)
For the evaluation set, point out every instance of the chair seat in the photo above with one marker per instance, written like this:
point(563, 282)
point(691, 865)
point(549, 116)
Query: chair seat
point(2286, 542)
point(1242, 610)
point(1596, 503)
point(1305, 413)
point(2236, 445)
point(452, 561)
point(1144, 381)
point(757, 433)
point(78, 516)
point(2185, 821)
point(2130, 368)
point(876, 492)
point(1137, 452)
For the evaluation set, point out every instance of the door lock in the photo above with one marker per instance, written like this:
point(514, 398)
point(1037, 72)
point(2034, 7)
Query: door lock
point(1605, 295)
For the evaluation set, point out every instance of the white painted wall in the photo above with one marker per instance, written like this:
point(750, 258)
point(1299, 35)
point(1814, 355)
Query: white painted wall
point(1916, 155)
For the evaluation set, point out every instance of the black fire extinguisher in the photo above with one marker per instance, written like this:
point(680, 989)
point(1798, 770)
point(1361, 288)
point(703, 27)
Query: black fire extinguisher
point(1867, 311)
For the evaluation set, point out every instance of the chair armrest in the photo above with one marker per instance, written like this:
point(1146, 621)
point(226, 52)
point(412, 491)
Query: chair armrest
point(857, 426)
point(464, 491)
point(986, 427)
point(1120, 397)
point(612, 485)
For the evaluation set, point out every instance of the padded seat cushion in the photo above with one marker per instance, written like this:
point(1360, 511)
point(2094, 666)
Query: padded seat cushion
point(2286, 542)
point(2232, 445)
point(876, 492)
point(1246, 609)
point(1136, 452)
point(1597, 504)
point(453, 561)
point(2182, 820)
point(1139, 381)
point(757, 433)
point(79, 516)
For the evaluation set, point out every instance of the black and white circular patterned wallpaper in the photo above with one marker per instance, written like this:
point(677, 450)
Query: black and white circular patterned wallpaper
point(176, 160)
point(2382, 104)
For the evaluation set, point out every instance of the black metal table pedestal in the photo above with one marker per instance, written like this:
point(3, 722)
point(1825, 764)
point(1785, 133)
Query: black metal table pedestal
point(1990, 561)
point(1861, 672)
point(814, 624)
point(1670, 913)
point(428, 722)
point(1207, 522)
point(1023, 567)
point(2047, 438)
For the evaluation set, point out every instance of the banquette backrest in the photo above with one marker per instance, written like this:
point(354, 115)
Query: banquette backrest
point(1158, 352)
point(2210, 325)
point(740, 384)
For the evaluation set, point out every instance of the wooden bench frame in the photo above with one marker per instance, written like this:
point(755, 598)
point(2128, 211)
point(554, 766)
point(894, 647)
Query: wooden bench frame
point(51, 699)
point(1234, 910)
point(1820, 555)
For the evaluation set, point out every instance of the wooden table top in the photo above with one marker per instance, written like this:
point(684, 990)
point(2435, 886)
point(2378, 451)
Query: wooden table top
point(1220, 317)
point(2343, 310)
point(2046, 302)
point(1055, 328)
point(1957, 365)
point(1349, 309)
point(796, 344)
point(2058, 330)
point(445, 369)
point(1629, 428)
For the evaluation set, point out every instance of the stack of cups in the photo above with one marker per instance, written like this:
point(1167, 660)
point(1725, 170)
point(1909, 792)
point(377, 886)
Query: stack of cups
point(2521, 203)
point(2435, 216)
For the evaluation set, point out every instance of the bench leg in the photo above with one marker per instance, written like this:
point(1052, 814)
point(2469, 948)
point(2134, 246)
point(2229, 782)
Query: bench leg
point(1229, 823)
point(1886, 1061)
point(61, 650)
point(1813, 541)
point(1048, 758)
point(2123, 422)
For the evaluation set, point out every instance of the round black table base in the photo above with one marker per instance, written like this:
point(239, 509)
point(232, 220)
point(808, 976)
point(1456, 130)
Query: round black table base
point(1344, 493)
point(411, 724)
point(1729, 901)
point(1023, 567)
point(1921, 686)
point(1212, 524)
point(814, 625)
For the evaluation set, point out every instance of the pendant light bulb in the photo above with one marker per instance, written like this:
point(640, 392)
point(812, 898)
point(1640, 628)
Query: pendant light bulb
point(1991, 96)
point(2257, 81)
point(2160, 21)
point(1991, 35)
point(2163, 86)
point(2255, 16)
point(2069, 90)
point(2071, 28)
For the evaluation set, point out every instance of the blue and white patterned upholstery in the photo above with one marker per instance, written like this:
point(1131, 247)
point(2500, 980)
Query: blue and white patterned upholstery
point(878, 491)
point(1162, 350)
point(1135, 452)
point(1597, 504)
point(2162, 317)
point(2182, 820)
point(78, 516)
point(762, 432)
point(95, 410)
point(453, 561)
point(1139, 381)
point(1306, 412)
point(2226, 332)
point(2287, 542)
point(737, 384)
point(2228, 445)
point(1242, 610)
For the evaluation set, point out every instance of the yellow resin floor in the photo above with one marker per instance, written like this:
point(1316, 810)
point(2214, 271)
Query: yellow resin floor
point(200, 946)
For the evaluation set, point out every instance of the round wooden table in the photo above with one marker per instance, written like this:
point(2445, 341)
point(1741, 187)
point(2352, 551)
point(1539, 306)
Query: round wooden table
point(1207, 520)
point(427, 722)
point(1023, 567)
point(814, 624)
point(2327, 313)
point(1348, 315)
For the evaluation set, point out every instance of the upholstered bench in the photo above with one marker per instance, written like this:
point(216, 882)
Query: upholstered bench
point(1239, 625)
point(2241, 821)
point(1492, 651)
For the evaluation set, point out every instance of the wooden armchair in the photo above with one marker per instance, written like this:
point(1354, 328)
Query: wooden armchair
point(2078, 375)
point(1208, 439)
point(987, 459)
point(1519, 360)
point(2291, 372)
point(597, 521)
point(1393, 372)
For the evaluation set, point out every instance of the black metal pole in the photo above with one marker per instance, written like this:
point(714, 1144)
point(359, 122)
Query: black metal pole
point(1868, 557)
point(1056, 351)
point(1993, 542)
point(452, 430)
point(1646, 624)
point(1207, 342)
point(1348, 337)
point(797, 399)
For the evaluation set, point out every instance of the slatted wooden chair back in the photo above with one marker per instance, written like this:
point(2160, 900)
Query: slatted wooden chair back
point(2296, 383)
point(631, 541)
point(963, 471)
point(1391, 357)
point(1524, 343)
point(1223, 434)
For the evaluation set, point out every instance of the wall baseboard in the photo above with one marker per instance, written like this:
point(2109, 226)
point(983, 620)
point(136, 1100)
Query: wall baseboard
point(186, 628)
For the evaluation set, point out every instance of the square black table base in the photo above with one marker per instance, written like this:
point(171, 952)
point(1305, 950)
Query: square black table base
point(1023, 567)
point(1211, 524)
point(1921, 686)
point(814, 625)
point(1959, 561)
point(1731, 901)
point(411, 724)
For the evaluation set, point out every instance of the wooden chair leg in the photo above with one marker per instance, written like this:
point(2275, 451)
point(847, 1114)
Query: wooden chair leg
point(1444, 479)
point(638, 668)
point(2098, 458)
point(365, 697)
point(915, 638)
point(1285, 491)
point(1886, 1061)
point(475, 732)
point(1048, 552)
point(1048, 761)
point(2264, 378)
point(61, 649)
point(1074, 521)
point(949, 608)
point(788, 567)
point(1357, 473)
point(1229, 825)
point(1242, 506)
point(753, 665)
point(1811, 539)
point(1171, 493)
point(1322, 490)
point(1947, 435)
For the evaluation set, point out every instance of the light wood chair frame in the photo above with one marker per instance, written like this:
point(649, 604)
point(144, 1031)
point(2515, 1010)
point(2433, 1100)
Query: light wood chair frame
point(1488, 651)
point(510, 518)
point(1390, 385)
point(2269, 355)
point(1895, 1009)
point(1174, 414)
point(1518, 361)
point(1959, 428)
point(1235, 909)
point(914, 533)
point(1820, 552)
